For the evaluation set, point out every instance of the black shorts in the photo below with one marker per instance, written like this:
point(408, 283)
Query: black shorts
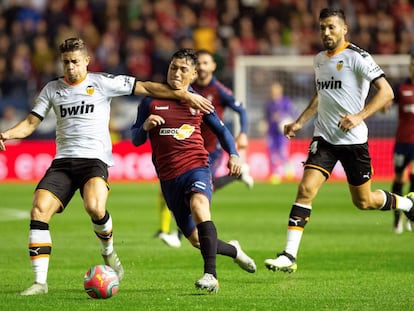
point(65, 176)
point(355, 160)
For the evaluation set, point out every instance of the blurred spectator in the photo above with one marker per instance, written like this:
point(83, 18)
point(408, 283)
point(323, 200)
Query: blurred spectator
point(164, 47)
point(55, 16)
point(9, 117)
point(19, 83)
point(247, 36)
point(138, 60)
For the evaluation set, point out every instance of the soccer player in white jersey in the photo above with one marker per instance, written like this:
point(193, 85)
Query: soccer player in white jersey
point(81, 101)
point(343, 74)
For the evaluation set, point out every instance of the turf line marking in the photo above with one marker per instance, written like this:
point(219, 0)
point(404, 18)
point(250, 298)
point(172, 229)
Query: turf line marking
point(10, 214)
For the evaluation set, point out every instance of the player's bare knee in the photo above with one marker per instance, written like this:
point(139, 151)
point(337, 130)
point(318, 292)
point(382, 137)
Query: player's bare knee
point(306, 192)
point(41, 212)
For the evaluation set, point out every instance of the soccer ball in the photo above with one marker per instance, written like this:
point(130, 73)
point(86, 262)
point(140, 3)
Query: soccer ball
point(101, 282)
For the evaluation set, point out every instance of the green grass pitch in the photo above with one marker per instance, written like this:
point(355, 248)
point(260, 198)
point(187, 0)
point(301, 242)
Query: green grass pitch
point(349, 259)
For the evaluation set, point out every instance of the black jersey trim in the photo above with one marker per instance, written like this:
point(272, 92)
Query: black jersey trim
point(36, 115)
point(357, 49)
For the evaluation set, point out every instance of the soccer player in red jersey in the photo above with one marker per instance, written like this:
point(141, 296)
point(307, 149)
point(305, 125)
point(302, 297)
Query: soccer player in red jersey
point(404, 143)
point(182, 165)
point(222, 98)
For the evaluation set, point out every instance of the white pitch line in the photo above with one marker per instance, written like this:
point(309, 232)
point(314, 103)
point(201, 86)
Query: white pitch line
point(9, 214)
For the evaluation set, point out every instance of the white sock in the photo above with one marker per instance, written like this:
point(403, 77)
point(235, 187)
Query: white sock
point(292, 241)
point(403, 203)
point(40, 261)
point(294, 236)
point(104, 233)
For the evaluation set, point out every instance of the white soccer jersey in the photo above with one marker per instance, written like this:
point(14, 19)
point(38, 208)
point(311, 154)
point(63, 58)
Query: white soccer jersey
point(82, 113)
point(342, 82)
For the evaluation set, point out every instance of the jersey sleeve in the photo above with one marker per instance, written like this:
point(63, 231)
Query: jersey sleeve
point(221, 131)
point(237, 106)
point(117, 85)
point(369, 69)
point(43, 102)
point(138, 134)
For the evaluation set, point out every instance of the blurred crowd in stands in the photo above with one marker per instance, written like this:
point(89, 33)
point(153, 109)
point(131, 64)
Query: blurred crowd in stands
point(137, 37)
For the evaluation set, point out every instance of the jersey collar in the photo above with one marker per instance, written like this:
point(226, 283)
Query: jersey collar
point(338, 50)
point(76, 83)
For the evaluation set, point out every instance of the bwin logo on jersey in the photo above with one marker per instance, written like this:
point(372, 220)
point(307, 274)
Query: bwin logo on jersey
point(330, 84)
point(181, 133)
point(90, 90)
point(75, 110)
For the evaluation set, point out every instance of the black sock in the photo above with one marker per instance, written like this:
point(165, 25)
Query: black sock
point(207, 236)
point(226, 249)
point(397, 188)
point(390, 201)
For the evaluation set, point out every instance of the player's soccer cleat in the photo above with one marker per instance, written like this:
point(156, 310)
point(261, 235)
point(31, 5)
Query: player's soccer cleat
point(208, 282)
point(408, 226)
point(246, 177)
point(244, 261)
point(113, 261)
point(172, 239)
point(284, 262)
point(35, 289)
point(410, 213)
point(398, 222)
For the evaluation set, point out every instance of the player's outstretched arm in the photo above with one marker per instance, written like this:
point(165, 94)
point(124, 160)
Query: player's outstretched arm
point(226, 141)
point(291, 128)
point(381, 99)
point(384, 95)
point(160, 90)
point(20, 130)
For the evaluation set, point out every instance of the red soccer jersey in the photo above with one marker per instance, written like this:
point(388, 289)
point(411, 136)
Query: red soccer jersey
point(405, 101)
point(177, 145)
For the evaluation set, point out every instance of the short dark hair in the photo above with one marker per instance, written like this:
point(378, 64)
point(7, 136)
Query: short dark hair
point(188, 54)
point(327, 12)
point(72, 44)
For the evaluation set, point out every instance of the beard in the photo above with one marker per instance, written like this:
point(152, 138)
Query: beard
point(330, 45)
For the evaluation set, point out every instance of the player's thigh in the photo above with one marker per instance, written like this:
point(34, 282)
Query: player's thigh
point(95, 194)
